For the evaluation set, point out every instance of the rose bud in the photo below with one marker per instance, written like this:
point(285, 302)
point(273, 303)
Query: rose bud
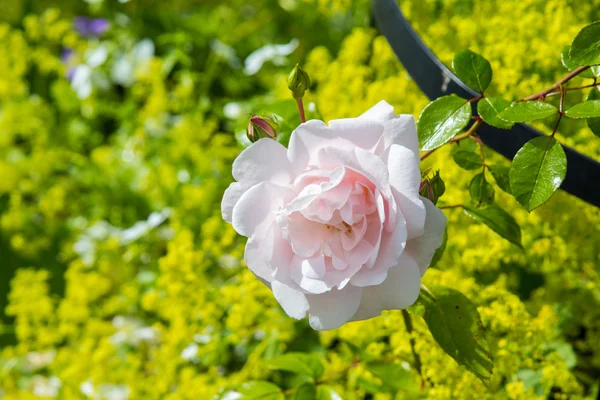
point(262, 127)
point(298, 82)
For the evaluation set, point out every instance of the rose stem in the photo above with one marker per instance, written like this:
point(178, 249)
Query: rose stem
point(301, 110)
point(409, 329)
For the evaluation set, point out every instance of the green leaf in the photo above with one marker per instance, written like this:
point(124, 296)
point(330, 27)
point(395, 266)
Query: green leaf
point(441, 120)
point(538, 169)
point(263, 390)
point(437, 256)
point(524, 111)
point(393, 375)
point(500, 174)
point(299, 363)
point(327, 393)
point(455, 324)
point(482, 193)
point(585, 49)
point(472, 69)
point(587, 109)
point(594, 123)
point(372, 387)
point(306, 391)
point(489, 108)
point(467, 160)
point(497, 220)
point(588, 73)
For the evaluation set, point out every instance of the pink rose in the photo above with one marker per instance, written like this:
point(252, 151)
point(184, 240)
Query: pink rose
point(335, 222)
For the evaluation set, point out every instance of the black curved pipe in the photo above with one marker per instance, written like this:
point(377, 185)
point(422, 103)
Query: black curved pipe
point(435, 80)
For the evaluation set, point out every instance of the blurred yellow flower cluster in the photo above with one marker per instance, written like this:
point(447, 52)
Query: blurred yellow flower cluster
point(154, 301)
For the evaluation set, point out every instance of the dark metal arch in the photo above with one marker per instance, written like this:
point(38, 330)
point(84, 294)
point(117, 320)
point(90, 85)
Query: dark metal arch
point(435, 80)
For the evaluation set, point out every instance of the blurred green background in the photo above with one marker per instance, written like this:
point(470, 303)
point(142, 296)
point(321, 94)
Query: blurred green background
point(118, 127)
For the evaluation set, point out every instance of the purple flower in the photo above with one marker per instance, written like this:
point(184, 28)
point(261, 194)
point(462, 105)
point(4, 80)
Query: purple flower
point(90, 27)
point(65, 57)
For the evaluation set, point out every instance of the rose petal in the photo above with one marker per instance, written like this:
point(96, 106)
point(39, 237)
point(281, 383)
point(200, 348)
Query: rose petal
point(264, 160)
point(399, 290)
point(255, 210)
point(231, 197)
point(333, 309)
point(311, 136)
point(397, 129)
point(423, 247)
point(293, 302)
point(405, 179)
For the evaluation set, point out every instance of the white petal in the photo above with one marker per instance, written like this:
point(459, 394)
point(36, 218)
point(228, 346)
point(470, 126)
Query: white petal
point(333, 309)
point(423, 247)
point(359, 160)
point(399, 290)
point(346, 134)
point(405, 179)
point(398, 129)
point(231, 197)
point(265, 160)
point(389, 255)
point(293, 302)
point(255, 257)
point(255, 210)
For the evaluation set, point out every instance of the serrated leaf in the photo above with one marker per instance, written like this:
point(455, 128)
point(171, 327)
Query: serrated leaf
point(306, 391)
point(489, 108)
point(524, 111)
point(472, 69)
point(299, 363)
point(482, 193)
point(588, 73)
point(391, 374)
point(500, 174)
point(437, 256)
point(585, 48)
point(594, 123)
point(467, 160)
point(538, 169)
point(441, 120)
point(327, 393)
point(260, 390)
point(455, 324)
point(587, 109)
point(497, 220)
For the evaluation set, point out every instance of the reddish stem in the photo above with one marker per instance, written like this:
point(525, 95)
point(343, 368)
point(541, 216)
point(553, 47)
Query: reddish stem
point(301, 110)
point(556, 85)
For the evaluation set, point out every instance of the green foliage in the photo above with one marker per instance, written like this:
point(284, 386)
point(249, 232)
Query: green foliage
point(594, 123)
point(467, 160)
point(441, 120)
point(260, 390)
point(299, 363)
point(585, 49)
point(525, 111)
point(592, 72)
point(490, 107)
point(472, 69)
point(393, 376)
point(498, 220)
point(501, 176)
point(456, 325)
point(482, 192)
point(306, 391)
point(538, 169)
point(587, 109)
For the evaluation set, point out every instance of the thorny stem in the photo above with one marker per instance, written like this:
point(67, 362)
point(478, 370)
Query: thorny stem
point(409, 329)
point(556, 85)
point(301, 110)
point(568, 89)
point(457, 138)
